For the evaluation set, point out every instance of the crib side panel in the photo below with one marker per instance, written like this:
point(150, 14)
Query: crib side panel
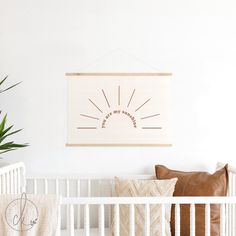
point(12, 179)
point(73, 186)
point(84, 215)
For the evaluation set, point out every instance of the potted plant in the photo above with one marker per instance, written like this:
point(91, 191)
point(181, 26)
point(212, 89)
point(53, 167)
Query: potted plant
point(6, 131)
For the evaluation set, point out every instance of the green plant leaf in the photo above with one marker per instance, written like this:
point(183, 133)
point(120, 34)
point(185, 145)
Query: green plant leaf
point(2, 124)
point(10, 87)
point(14, 85)
point(7, 135)
point(6, 145)
point(6, 132)
point(1, 82)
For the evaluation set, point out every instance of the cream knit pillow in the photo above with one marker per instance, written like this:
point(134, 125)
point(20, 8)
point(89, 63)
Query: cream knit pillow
point(144, 188)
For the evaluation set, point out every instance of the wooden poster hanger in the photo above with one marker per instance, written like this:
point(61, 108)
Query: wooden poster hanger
point(118, 74)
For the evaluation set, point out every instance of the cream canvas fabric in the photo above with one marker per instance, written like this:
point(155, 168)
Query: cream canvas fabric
point(31, 215)
point(144, 188)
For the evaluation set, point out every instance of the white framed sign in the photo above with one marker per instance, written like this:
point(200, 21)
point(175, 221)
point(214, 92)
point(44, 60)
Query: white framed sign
point(119, 109)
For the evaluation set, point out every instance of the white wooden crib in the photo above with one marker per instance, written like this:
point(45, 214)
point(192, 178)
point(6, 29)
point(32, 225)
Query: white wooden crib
point(86, 202)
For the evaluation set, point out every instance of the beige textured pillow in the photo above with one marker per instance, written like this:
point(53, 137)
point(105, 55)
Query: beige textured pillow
point(144, 188)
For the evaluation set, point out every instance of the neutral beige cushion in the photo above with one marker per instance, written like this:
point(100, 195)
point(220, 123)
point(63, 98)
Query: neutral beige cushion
point(144, 188)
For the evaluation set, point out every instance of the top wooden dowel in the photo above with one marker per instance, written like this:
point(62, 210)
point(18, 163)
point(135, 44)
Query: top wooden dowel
point(118, 74)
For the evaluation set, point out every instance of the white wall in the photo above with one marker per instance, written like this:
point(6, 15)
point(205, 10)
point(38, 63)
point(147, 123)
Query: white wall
point(41, 40)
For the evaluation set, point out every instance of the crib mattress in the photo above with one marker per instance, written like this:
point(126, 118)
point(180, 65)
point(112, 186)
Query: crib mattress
point(81, 232)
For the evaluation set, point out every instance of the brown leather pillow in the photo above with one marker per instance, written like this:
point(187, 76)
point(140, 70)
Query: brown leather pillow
point(196, 184)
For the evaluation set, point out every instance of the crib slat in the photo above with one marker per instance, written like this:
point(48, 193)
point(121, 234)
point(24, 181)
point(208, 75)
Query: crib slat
point(222, 220)
point(15, 181)
point(233, 205)
point(227, 219)
point(57, 186)
point(3, 184)
point(147, 220)
point(89, 188)
point(59, 208)
point(11, 181)
point(18, 181)
point(230, 223)
point(58, 230)
point(23, 179)
point(117, 220)
point(67, 188)
point(67, 195)
point(71, 220)
point(163, 220)
point(78, 206)
point(131, 220)
point(7, 182)
point(35, 186)
point(207, 220)
point(110, 184)
point(101, 220)
point(16, 173)
point(192, 220)
point(99, 188)
point(45, 186)
point(86, 219)
point(177, 220)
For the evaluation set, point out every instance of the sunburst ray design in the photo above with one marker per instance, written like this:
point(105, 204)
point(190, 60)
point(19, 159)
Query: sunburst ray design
point(146, 117)
point(91, 117)
point(121, 111)
point(118, 95)
point(143, 104)
point(95, 105)
point(86, 127)
point(151, 127)
point(131, 98)
point(106, 98)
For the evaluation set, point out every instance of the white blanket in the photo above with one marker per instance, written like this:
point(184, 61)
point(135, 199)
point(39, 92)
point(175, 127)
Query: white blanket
point(29, 215)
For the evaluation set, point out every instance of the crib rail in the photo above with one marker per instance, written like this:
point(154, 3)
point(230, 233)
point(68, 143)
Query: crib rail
point(116, 202)
point(77, 186)
point(148, 200)
point(87, 202)
point(12, 179)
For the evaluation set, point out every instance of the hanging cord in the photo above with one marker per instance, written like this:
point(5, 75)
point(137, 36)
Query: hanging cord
point(121, 51)
point(138, 59)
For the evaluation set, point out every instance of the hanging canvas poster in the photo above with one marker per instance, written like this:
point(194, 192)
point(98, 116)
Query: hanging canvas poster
point(119, 109)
